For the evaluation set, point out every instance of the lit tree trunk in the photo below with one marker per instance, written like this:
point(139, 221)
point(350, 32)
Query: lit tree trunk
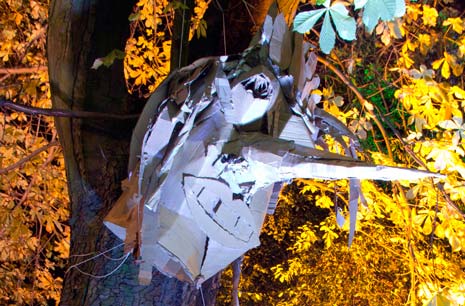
point(96, 154)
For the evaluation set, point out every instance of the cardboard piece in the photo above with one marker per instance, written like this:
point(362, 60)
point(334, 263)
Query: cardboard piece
point(212, 148)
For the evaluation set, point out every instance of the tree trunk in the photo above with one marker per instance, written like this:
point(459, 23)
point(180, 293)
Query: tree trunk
point(96, 153)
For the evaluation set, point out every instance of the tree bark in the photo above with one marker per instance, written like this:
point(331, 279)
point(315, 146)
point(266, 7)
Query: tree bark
point(96, 153)
point(96, 150)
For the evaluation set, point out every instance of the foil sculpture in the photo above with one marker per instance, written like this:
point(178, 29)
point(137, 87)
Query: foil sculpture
point(212, 147)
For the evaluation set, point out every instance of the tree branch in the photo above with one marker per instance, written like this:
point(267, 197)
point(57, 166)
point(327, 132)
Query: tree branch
point(180, 37)
point(22, 70)
point(62, 112)
point(421, 163)
point(362, 100)
point(383, 131)
point(22, 161)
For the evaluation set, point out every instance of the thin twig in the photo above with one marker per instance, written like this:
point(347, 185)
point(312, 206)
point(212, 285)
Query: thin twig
point(362, 100)
point(62, 112)
point(34, 176)
point(383, 131)
point(421, 163)
point(449, 201)
point(29, 157)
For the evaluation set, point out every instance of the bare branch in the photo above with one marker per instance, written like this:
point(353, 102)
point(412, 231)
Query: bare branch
point(362, 100)
point(390, 125)
point(24, 160)
point(22, 70)
point(62, 112)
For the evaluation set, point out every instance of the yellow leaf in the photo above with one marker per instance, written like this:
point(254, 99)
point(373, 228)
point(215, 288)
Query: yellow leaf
point(379, 28)
point(461, 43)
point(413, 12)
point(324, 202)
point(457, 70)
point(445, 70)
point(455, 243)
point(458, 92)
point(49, 227)
point(427, 226)
point(408, 62)
point(439, 231)
point(289, 8)
point(437, 63)
point(409, 45)
point(419, 123)
point(425, 43)
point(18, 18)
point(430, 15)
point(456, 23)
point(396, 29)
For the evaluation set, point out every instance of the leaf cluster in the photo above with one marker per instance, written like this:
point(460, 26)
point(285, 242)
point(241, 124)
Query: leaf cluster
point(336, 13)
point(407, 103)
point(34, 236)
point(148, 49)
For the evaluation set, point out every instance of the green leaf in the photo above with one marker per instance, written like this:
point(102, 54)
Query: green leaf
point(108, 60)
point(201, 30)
point(175, 5)
point(382, 9)
point(305, 21)
point(327, 35)
point(134, 17)
point(345, 24)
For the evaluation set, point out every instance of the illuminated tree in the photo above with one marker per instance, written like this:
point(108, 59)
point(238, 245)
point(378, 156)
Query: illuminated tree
point(96, 149)
point(400, 89)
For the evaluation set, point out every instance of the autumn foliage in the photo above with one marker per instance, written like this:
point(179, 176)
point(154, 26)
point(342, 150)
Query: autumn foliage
point(33, 194)
point(399, 88)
